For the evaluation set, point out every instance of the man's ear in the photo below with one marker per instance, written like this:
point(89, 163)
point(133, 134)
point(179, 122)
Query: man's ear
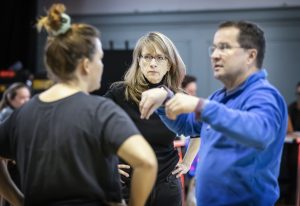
point(252, 55)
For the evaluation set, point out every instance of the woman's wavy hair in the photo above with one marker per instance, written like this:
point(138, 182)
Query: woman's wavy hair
point(135, 82)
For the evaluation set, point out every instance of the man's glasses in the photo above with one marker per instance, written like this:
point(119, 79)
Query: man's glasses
point(158, 59)
point(222, 48)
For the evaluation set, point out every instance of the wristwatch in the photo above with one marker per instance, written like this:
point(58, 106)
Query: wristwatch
point(170, 94)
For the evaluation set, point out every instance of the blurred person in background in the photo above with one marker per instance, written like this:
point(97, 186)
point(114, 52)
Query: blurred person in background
point(189, 85)
point(294, 110)
point(13, 98)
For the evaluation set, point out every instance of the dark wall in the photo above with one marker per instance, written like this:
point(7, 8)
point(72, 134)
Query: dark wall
point(116, 63)
point(18, 34)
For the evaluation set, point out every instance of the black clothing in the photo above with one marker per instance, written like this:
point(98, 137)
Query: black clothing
point(65, 150)
point(294, 114)
point(159, 137)
point(155, 132)
point(170, 188)
point(14, 174)
point(11, 167)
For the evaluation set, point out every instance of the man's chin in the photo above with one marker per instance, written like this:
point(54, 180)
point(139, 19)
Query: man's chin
point(217, 76)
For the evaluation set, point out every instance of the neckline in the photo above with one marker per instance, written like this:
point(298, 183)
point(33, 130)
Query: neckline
point(151, 85)
point(58, 100)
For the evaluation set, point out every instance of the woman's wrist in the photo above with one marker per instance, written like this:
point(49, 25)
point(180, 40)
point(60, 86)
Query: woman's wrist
point(170, 94)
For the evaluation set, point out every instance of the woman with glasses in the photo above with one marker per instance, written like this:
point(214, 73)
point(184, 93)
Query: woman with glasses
point(156, 62)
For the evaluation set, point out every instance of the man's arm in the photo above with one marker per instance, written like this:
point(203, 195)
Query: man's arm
point(171, 114)
point(261, 118)
point(255, 124)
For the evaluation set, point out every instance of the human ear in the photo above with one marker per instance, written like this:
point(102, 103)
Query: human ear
point(252, 55)
point(85, 65)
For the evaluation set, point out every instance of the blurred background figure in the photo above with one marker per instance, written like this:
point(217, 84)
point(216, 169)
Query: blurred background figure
point(288, 169)
point(294, 110)
point(14, 97)
point(189, 85)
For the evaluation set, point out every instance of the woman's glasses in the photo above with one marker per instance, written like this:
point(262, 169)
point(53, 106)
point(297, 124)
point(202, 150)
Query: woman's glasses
point(158, 59)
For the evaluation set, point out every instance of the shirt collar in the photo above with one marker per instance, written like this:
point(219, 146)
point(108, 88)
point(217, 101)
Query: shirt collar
point(260, 74)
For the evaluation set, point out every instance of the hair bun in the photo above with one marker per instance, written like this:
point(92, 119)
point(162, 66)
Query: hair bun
point(65, 25)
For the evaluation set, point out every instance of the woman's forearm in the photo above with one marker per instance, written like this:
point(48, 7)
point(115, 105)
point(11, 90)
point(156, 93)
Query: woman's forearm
point(191, 152)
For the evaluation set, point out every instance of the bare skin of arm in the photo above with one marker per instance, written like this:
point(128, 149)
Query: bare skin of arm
point(138, 153)
point(8, 189)
point(178, 104)
point(184, 166)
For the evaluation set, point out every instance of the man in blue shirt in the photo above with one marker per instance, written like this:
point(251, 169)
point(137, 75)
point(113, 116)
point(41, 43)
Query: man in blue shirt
point(242, 126)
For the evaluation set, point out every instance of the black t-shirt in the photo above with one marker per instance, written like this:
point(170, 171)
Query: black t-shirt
point(65, 150)
point(294, 114)
point(155, 132)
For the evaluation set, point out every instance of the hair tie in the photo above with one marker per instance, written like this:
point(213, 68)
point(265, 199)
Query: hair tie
point(65, 26)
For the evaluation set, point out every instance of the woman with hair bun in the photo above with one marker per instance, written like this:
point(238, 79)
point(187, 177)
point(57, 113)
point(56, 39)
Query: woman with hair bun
point(66, 141)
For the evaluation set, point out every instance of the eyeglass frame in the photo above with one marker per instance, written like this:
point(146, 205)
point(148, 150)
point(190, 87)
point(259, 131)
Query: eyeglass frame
point(223, 48)
point(157, 60)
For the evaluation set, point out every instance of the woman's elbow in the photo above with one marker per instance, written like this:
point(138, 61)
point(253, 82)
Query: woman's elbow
point(149, 163)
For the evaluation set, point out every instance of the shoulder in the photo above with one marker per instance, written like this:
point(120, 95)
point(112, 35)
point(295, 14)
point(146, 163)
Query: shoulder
point(216, 94)
point(264, 94)
point(116, 91)
point(109, 111)
point(265, 87)
point(6, 110)
point(5, 113)
point(102, 103)
point(117, 87)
